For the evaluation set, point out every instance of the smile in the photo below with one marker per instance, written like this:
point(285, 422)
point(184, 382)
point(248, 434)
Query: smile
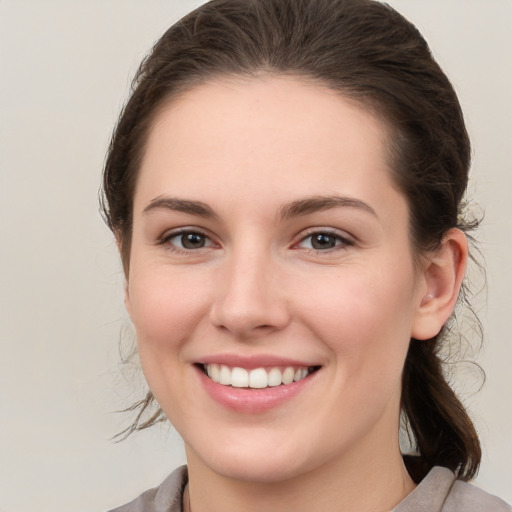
point(256, 378)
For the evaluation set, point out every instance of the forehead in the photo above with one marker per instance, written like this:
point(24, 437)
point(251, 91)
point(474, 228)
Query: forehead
point(269, 134)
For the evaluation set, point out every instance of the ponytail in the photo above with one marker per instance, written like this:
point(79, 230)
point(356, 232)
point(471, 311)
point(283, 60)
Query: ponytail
point(441, 428)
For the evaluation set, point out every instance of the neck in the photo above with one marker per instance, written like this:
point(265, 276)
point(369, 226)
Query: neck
point(340, 486)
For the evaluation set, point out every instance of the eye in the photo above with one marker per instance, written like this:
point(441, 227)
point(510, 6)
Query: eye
point(323, 241)
point(187, 240)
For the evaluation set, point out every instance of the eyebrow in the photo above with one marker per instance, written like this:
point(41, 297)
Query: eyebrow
point(315, 204)
point(305, 206)
point(180, 205)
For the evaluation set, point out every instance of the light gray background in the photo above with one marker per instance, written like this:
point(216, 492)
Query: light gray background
point(66, 67)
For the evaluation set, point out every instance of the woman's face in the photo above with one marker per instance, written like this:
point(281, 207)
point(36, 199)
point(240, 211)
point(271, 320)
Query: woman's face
point(268, 236)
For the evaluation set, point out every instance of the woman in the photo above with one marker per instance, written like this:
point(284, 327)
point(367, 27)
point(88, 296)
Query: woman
point(285, 185)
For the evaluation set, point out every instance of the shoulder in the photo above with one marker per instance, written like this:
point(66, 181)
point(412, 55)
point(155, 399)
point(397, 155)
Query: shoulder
point(465, 497)
point(167, 497)
point(440, 491)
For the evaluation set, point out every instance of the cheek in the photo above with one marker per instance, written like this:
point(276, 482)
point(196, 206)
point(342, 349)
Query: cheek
point(164, 307)
point(364, 316)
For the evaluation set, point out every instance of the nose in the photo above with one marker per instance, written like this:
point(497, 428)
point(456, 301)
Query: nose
point(250, 300)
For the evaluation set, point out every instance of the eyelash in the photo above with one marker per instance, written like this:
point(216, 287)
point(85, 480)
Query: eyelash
point(167, 238)
point(341, 242)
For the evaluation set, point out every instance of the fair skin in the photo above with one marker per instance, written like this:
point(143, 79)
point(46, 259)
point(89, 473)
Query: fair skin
point(268, 233)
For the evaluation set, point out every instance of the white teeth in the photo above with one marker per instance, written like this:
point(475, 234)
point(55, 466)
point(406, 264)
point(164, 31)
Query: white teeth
point(239, 378)
point(288, 375)
point(274, 377)
point(258, 378)
point(214, 371)
point(225, 375)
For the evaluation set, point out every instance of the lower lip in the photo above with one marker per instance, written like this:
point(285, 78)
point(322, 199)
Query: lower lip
point(252, 400)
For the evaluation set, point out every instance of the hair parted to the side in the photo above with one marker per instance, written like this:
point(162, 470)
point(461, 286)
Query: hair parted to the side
point(367, 52)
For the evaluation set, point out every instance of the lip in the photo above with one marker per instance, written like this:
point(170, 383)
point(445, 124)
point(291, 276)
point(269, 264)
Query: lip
point(252, 362)
point(253, 401)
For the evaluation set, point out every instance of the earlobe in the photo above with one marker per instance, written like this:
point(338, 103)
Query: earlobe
point(443, 274)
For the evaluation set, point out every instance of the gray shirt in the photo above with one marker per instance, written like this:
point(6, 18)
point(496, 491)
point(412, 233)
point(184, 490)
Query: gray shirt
point(439, 491)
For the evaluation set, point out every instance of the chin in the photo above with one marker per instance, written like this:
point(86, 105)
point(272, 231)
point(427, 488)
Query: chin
point(264, 469)
point(256, 462)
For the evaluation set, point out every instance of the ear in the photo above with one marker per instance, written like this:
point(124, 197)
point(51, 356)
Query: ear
point(442, 273)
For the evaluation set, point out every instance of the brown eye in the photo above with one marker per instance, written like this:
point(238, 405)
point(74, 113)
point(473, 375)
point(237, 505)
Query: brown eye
point(193, 240)
point(324, 240)
point(321, 241)
point(189, 240)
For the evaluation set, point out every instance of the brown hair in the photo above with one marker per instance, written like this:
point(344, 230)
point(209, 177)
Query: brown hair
point(370, 53)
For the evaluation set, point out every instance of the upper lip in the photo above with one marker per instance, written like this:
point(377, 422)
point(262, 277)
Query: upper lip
point(254, 361)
